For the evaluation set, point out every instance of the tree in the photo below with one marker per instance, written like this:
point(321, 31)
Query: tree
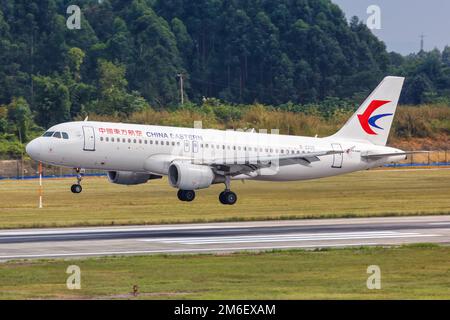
point(52, 101)
point(242, 51)
point(76, 58)
point(113, 95)
point(119, 45)
point(19, 114)
point(155, 59)
point(446, 56)
point(416, 89)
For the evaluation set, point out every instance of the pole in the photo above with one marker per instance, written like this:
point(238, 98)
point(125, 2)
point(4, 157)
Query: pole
point(40, 185)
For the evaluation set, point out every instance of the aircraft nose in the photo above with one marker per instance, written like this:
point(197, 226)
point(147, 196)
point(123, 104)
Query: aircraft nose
point(33, 149)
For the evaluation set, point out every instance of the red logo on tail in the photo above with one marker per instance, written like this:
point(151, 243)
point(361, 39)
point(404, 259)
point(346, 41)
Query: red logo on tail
point(365, 118)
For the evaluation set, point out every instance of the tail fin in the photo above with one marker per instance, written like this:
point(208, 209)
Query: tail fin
point(373, 119)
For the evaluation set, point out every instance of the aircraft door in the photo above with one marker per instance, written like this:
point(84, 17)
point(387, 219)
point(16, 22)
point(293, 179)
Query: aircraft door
point(89, 138)
point(337, 158)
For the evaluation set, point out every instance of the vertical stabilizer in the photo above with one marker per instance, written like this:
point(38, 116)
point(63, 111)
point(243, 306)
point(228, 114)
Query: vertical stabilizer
point(373, 119)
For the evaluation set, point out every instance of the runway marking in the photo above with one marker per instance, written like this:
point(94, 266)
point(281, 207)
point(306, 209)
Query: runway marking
point(288, 237)
point(231, 249)
point(99, 230)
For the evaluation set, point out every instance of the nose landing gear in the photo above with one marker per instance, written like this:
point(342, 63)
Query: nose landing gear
point(76, 188)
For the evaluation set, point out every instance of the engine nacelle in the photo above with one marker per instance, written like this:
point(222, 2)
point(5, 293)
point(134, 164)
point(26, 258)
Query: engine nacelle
point(130, 178)
point(187, 176)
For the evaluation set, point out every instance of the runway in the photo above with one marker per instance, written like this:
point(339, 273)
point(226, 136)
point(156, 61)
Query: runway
point(221, 237)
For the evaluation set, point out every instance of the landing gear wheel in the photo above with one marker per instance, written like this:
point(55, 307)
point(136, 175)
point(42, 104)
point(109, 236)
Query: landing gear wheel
point(228, 197)
point(76, 188)
point(189, 195)
point(186, 195)
point(222, 198)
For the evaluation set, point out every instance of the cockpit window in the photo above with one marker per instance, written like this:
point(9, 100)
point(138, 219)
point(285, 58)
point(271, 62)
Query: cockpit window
point(48, 134)
point(57, 135)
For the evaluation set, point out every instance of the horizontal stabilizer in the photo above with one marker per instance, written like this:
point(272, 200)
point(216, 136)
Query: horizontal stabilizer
point(370, 155)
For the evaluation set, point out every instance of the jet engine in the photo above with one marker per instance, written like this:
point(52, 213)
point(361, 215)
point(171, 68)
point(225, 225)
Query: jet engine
point(188, 176)
point(130, 178)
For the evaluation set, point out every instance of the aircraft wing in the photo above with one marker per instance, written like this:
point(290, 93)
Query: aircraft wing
point(236, 166)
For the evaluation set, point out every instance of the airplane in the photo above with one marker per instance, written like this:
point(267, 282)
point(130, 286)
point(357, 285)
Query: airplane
point(195, 158)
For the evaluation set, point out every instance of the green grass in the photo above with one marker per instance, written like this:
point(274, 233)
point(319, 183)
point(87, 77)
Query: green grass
point(368, 193)
point(410, 272)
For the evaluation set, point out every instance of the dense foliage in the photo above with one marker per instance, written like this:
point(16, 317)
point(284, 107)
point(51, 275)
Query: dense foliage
point(126, 58)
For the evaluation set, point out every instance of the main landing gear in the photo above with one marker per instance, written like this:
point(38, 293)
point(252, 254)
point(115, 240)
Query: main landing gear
point(76, 188)
point(186, 195)
point(227, 196)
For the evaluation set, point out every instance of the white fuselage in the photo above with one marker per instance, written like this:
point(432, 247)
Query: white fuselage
point(151, 149)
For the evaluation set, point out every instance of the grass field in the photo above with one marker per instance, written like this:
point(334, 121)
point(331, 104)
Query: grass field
point(410, 272)
point(368, 193)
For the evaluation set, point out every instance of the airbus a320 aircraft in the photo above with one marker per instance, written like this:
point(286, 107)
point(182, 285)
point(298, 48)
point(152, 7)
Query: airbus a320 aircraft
point(197, 158)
